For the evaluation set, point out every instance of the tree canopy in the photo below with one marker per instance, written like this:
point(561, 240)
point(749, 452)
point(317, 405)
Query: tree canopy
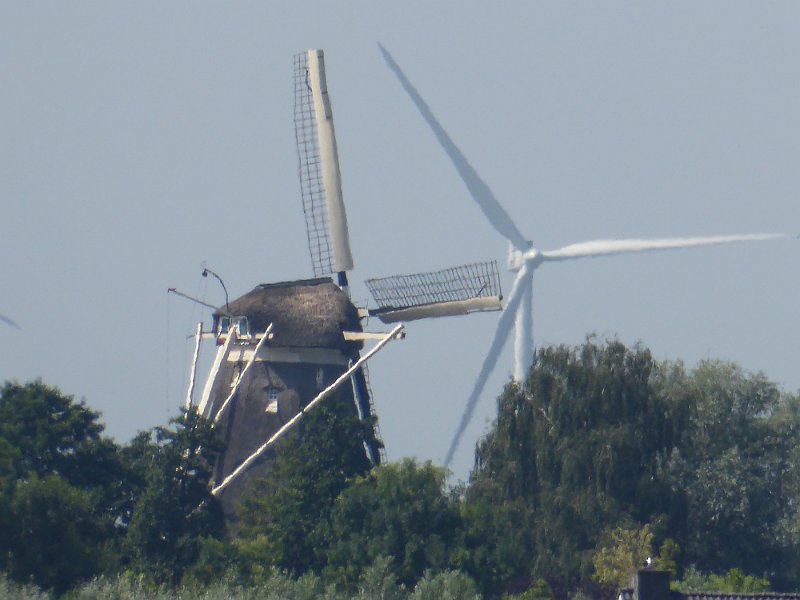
point(601, 457)
point(602, 436)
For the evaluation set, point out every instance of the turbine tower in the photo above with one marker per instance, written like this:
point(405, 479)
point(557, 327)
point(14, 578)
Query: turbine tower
point(524, 258)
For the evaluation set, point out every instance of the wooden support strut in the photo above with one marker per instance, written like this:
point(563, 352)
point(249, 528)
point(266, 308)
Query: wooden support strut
point(193, 376)
point(250, 362)
point(205, 408)
point(311, 405)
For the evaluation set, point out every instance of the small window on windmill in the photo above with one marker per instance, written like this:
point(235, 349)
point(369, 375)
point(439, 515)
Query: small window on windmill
point(224, 325)
point(272, 400)
point(320, 378)
point(242, 326)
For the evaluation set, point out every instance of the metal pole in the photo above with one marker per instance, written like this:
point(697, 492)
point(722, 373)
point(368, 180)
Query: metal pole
point(188, 297)
point(206, 273)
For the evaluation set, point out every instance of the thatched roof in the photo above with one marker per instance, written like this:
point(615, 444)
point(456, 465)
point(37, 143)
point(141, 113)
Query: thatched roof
point(310, 313)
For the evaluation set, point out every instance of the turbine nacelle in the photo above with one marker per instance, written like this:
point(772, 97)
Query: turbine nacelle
point(517, 258)
point(533, 257)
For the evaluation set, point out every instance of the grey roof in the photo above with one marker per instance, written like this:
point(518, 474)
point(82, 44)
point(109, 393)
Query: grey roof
point(740, 596)
point(627, 594)
point(310, 313)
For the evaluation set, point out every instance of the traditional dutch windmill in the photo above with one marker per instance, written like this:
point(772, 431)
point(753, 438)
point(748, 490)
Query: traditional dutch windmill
point(284, 347)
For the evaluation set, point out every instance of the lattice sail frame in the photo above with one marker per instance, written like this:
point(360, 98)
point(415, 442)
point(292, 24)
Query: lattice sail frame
point(318, 166)
point(455, 291)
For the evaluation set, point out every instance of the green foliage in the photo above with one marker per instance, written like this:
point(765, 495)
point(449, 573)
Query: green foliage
point(283, 522)
point(600, 457)
point(125, 586)
point(216, 559)
point(727, 467)
point(625, 551)
point(10, 590)
point(176, 510)
point(55, 538)
point(52, 434)
point(59, 488)
point(379, 581)
point(579, 448)
point(399, 510)
point(602, 437)
point(539, 590)
point(667, 559)
point(496, 545)
point(447, 585)
point(733, 581)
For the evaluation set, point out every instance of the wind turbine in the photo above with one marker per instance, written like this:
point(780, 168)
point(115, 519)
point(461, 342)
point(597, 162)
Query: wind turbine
point(524, 258)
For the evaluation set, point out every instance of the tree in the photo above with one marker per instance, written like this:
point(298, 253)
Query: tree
point(399, 511)
point(733, 582)
point(602, 437)
point(446, 585)
point(625, 551)
point(580, 446)
point(54, 536)
point(53, 434)
point(282, 521)
point(728, 467)
point(175, 510)
point(60, 486)
point(496, 547)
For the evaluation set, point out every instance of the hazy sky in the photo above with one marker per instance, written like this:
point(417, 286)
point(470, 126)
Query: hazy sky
point(138, 140)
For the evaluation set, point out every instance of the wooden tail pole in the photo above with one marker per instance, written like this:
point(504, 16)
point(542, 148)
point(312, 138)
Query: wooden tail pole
point(250, 362)
point(393, 334)
point(193, 375)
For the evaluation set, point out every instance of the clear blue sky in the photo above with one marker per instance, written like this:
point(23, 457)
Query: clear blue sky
point(139, 139)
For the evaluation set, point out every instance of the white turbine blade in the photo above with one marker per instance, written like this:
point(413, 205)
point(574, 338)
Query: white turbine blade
point(8, 321)
point(603, 247)
point(504, 326)
point(478, 189)
point(523, 330)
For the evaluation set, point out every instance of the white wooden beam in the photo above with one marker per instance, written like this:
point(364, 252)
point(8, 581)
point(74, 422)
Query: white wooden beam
point(249, 364)
point(360, 336)
point(205, 406)
point(193, 375)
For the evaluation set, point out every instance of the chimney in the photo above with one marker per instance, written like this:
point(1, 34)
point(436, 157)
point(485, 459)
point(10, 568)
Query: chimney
point(651, 585)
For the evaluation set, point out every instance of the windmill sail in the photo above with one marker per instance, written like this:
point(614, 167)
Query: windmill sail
point(456, 291)
point(320, 178)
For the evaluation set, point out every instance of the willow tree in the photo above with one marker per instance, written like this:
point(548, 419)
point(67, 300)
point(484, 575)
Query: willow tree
point(578, 449)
